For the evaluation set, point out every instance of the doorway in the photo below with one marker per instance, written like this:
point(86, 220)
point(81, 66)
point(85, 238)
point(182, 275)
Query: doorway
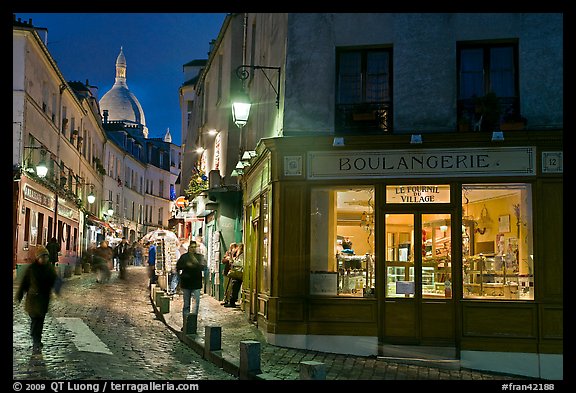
point(418, 306)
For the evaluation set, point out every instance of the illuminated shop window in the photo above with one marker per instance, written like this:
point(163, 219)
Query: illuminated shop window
point(497, 242)
point(342, 241)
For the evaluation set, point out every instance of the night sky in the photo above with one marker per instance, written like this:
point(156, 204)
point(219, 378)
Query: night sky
point(156, 46)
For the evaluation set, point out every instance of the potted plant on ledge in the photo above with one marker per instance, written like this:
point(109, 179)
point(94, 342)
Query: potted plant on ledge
point(488, 112)
point(513, 122)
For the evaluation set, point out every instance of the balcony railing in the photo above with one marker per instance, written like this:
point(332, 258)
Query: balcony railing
point(471, 118)
point(366, 117)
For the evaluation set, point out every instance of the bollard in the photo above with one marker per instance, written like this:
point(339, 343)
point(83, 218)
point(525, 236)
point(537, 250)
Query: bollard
point(164, 304)
point(190, 324)
point(249, 358)
point(212, 340)
point(312, 370)
point(157, 296)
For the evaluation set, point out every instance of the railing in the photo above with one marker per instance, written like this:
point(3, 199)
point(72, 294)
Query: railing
point(366, 117)
point(471, 119)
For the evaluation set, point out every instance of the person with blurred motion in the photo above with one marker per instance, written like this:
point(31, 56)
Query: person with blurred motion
point(102, 259)
point(122, 252)
point(38, 282)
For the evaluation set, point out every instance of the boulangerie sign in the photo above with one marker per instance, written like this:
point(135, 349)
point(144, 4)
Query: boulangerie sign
point(492, 161)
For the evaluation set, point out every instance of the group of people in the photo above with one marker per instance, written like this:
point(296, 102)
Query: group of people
point(104, 257)
point(41, 278)
point(233, 273)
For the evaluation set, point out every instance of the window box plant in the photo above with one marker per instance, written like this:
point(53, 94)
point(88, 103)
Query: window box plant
point(513, 122)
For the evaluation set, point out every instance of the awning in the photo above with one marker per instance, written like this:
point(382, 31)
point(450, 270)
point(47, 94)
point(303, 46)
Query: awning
point(92, 219)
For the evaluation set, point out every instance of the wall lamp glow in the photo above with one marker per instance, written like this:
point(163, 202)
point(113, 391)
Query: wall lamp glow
point(41, 167)
point(241, 104)
point(91, 197)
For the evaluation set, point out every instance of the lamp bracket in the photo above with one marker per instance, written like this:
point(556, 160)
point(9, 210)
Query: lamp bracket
point(243, 73)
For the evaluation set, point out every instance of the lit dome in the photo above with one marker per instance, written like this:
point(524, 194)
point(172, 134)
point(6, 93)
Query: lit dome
point(120, 102)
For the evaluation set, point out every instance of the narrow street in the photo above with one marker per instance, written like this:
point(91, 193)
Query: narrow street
point(105, 332)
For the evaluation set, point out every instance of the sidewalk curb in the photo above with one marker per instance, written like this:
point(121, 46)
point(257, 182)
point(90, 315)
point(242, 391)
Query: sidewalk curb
point(196, 343)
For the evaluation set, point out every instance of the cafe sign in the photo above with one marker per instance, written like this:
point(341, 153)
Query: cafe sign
point(493, 161)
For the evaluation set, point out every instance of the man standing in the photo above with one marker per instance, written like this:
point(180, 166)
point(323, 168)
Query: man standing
point(53, 248)
point(152, 263)
point(122, 252)
point(190, 268)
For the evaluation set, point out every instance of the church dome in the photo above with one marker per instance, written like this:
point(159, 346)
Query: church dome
point(120, 102)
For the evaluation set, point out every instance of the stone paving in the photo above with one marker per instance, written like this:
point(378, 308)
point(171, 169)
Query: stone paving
point(284, 363)
point(121, 316)
point(148, 345)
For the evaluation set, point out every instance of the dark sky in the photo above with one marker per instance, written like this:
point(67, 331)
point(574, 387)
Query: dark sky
point(156, 46)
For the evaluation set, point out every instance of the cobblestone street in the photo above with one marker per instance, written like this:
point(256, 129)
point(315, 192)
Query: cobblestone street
point(121, 316)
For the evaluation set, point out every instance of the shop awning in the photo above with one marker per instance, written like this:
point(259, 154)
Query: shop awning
point(92, 219)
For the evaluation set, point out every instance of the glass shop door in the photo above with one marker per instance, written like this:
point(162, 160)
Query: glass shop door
point(418, 306)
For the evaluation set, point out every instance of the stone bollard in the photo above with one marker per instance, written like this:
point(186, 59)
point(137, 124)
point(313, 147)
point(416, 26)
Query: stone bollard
point(312, 370)
point(212, 340)
point(157, 296)
point(190, 324)
point(164, 304)
point(249, 358)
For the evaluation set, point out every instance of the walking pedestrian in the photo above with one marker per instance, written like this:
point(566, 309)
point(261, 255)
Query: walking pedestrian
point(102, 260)
point(122, 252)
point(236, 273)
point(39, 280)
point(190, 266)
point(53, 248)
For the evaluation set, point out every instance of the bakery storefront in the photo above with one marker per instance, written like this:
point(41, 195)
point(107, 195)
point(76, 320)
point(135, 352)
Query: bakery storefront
point(453, 244)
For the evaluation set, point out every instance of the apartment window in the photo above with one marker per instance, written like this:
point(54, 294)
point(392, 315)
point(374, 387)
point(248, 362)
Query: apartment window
point(363, 96)
point(483, 69)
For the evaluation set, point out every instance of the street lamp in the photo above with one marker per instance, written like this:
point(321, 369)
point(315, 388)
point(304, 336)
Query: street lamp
point(91, 197)
point(110, 209)
point(241, 103)
point(41, 168)
point(241, 109)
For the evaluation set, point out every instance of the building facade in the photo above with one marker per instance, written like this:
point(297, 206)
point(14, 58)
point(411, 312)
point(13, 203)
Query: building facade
point(405, 187)
point(133, 179)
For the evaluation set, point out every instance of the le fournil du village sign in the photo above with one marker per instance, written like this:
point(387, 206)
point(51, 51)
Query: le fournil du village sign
point(501, 161)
